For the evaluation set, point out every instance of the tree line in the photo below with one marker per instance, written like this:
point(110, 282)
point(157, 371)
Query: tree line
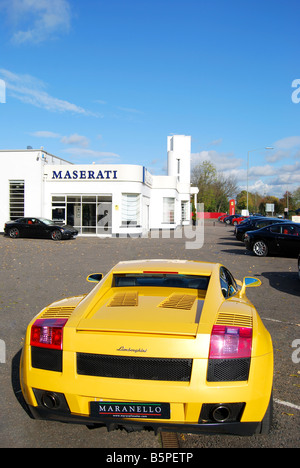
point(216, 189)
point(290, 201)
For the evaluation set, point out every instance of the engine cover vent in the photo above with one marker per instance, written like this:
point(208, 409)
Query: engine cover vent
point(178, 301)
point(124, 299)
point(235, 320)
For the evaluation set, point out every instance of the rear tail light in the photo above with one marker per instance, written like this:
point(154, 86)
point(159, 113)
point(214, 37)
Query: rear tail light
point(230, 342)
point(47, 333)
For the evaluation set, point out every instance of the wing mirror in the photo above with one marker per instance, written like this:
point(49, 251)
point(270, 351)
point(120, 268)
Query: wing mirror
point(249, 282)
point(95, 277)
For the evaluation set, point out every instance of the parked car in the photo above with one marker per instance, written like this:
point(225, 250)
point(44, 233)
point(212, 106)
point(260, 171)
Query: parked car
point(283, 238)
point(222, 217)
point(248, 220)
point(238, 220)
point(252, 225)
point(38, 227)
point(228, 219)
point(161, 344)
point(299, 266)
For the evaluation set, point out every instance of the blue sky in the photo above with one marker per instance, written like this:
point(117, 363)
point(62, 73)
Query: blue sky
point(108, 81)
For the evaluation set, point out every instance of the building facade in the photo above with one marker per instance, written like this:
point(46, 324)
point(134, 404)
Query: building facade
point(97, 199)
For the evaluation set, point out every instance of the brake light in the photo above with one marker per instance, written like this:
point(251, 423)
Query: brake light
point(47, 333)
point(161, 272)
point(230, 342)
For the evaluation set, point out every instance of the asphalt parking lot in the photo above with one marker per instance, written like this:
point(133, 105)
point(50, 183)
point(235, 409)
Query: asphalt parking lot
point(34, 273)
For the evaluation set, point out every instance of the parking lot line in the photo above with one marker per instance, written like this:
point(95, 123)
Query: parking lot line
point(280, 321)
point(286, 403)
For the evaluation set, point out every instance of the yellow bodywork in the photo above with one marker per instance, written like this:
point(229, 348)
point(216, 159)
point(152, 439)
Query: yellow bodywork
point(154, 323)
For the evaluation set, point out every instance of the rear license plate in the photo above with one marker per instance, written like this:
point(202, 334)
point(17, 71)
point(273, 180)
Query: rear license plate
point(108, 409)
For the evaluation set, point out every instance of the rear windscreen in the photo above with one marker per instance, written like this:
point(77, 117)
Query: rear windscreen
point(164, 280)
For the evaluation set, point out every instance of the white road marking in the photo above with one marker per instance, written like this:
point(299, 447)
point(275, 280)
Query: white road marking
point(286, 403)
point(280, 321)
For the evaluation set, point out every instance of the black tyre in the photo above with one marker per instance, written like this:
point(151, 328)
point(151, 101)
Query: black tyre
point(56, 235)
point(14, 233)
point(260, 248)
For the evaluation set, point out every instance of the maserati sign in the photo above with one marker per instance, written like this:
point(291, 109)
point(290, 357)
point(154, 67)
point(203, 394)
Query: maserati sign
point(84, 175)
point(97, 173)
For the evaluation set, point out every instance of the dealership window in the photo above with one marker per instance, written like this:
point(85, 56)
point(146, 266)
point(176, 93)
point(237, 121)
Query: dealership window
point(168, 210)
point(184, 211)
point(16, 199)
point(74, 211)
point(59, 209)
point(90, 214)
point(104, 214)
point(131, 211)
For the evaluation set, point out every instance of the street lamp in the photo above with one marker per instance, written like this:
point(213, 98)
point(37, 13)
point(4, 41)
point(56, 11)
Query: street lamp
point(258, 149)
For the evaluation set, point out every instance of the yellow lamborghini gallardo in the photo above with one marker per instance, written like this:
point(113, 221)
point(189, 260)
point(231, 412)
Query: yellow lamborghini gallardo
point(163, 344)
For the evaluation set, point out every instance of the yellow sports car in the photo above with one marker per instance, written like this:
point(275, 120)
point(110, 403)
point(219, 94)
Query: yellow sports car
point(163, 344)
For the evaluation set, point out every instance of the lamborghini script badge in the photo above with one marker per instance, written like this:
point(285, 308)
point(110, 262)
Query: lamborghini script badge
point(139, 350)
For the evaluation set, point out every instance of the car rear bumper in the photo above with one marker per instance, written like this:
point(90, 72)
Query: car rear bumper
point(239, 236)
point(191, 404)
point(231, 428)
point(248, 244)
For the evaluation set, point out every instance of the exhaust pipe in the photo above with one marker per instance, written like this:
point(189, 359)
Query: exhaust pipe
point(50, 400)
point(221, 413)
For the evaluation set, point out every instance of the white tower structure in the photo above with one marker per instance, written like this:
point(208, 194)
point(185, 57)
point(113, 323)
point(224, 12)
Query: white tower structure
point(179, 166)
point(179, 158)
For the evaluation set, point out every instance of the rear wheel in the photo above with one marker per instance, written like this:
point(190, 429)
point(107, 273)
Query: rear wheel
point(14, 233)
point(56, 235)
point(260, 248)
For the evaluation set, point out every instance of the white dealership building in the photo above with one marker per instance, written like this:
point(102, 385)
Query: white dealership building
point(97, 199)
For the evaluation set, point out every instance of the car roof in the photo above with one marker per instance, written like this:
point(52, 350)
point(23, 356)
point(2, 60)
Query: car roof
point(288, 223)
point(265, 218)
point(281, 223)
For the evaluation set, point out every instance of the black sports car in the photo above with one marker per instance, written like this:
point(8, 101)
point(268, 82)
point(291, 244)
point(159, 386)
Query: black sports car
point(282, 238)
point(38, 227)
point(253, 224)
